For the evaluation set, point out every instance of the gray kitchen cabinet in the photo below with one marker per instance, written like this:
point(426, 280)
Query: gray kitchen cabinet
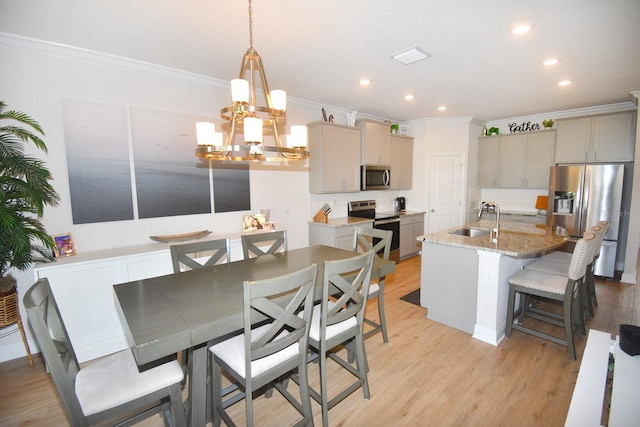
point(488, 162)
point(375, 142)
point(411, 226)
point(401, 162)
point(604, 138)
point(334, 160)
point(524, 159)
point(339, 236)
point(520, 160)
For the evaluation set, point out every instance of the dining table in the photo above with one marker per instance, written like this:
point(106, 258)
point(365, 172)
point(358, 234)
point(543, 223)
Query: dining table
point(191, 310)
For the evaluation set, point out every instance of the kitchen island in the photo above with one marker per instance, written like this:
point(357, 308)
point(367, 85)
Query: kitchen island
point(464, 272)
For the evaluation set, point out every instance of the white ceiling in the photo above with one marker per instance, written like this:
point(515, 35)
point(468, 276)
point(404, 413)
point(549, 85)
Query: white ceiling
point(318, 50)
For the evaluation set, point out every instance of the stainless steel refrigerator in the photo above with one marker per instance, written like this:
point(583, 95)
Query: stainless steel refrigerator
point(580, 196)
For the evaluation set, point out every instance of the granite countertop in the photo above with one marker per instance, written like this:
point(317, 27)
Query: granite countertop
point(344, 221)
point(347, 220)
point(514, 239)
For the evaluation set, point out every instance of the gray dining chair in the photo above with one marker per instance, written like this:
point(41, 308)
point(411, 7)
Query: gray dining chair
point(253, 244)
point(339, 321)
point(366, 239)
point(108, 390)
point(191, 256)
point(565, 288)
point(272, 351)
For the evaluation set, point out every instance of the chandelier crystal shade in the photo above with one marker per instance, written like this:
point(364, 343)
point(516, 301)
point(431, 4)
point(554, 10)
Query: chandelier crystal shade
point(246, 116)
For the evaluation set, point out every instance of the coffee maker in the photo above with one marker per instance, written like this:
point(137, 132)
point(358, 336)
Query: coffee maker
point(401, 204)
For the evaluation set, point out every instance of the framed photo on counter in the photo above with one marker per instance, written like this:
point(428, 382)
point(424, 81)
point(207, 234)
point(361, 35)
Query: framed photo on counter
point(64, 245)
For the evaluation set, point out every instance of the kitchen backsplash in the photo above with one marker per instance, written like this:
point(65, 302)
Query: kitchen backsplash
point(515, 200)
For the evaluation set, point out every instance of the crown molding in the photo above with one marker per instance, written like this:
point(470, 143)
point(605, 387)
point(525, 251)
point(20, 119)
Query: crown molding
point(577, 112)
point(72, 53)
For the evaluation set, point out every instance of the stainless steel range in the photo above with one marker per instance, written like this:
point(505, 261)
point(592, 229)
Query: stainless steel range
point(381, 220)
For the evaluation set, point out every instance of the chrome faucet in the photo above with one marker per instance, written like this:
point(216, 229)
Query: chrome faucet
point(494, 234)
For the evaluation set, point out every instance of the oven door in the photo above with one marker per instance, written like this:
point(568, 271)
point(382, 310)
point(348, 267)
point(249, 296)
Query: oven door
point(393, 225)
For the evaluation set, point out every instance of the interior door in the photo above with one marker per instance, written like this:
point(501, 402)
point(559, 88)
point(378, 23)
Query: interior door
point(446, 192)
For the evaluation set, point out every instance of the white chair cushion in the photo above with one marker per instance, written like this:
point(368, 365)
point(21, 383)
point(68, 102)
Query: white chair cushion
point(232, 352)
point(115, 380)
point(549, 266)
point(532, 279)
point(332, 330)
point(373, 288)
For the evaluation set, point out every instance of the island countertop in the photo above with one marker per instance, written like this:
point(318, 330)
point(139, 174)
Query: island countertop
point(518, 240)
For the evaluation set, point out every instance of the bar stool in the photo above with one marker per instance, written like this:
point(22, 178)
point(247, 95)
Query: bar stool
point(10, 315)
point(529, 283)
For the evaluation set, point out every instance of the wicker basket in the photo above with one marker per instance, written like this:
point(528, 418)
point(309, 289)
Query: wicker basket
point(10, 315)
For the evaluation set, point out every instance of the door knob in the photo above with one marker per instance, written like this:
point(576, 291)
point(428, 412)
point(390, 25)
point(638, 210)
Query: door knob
point(433, 210)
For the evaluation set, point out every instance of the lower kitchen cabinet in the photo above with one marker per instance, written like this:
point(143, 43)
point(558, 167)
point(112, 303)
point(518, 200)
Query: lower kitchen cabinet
point(411, 226)
point(337, 233)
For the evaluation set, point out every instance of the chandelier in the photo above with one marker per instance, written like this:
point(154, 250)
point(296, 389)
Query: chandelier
point(246, 116)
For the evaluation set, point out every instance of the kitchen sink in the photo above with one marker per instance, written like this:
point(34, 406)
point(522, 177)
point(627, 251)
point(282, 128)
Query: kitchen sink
point(470, 232)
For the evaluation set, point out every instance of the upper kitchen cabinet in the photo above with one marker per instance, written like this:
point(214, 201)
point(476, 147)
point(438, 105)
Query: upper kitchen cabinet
point(605, 138)
point(376, 142)
point(519, 160)
point(334, 158)
point(525, 158)
point(488, 162)
point(401, 162)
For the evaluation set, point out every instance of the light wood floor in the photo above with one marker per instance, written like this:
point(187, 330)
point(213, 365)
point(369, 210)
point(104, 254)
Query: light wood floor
point(427, 375)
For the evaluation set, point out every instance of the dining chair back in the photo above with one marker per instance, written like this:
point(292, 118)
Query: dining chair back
point(366, 239)
point(535, 286)
point(271, 351)
point(339, 320)
point(191, 256)
point(109, 389)
point(253, 244)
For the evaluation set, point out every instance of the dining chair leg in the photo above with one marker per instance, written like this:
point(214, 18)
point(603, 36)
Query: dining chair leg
point(568, 310)
point(324, 395)
point(305, 397)
point(510, 308)
point(362, 365)
point(216, 391)
point(383, 320)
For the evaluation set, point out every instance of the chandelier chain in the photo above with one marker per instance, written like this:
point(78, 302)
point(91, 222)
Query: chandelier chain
point(250, 25)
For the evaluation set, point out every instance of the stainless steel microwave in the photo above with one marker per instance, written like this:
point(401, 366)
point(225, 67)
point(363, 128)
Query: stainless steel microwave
point(375, 177)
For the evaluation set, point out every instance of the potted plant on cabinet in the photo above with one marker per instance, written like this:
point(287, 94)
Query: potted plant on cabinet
point(394, 128)
point(548, 124)
point(25, 190)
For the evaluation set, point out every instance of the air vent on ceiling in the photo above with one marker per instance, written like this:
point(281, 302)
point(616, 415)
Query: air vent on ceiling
point(411, 55)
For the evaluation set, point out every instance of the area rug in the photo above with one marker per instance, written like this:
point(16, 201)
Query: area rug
point(413, 297)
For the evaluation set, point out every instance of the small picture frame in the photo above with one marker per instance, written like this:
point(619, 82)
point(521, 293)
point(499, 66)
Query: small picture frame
point(253, 222)
point(64, 245)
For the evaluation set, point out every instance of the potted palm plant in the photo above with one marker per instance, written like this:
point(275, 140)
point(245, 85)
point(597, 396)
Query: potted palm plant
point(25, 190)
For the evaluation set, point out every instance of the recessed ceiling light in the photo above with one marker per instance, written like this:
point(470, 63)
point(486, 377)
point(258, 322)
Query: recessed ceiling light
point(442, 108)
point(521, 29)
point(409, 97)
point(364, 82)
point(551, 61)
point(411, 55)
point(564, 83)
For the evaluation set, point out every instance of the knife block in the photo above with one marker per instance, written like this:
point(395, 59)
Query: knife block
point(320, 216)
